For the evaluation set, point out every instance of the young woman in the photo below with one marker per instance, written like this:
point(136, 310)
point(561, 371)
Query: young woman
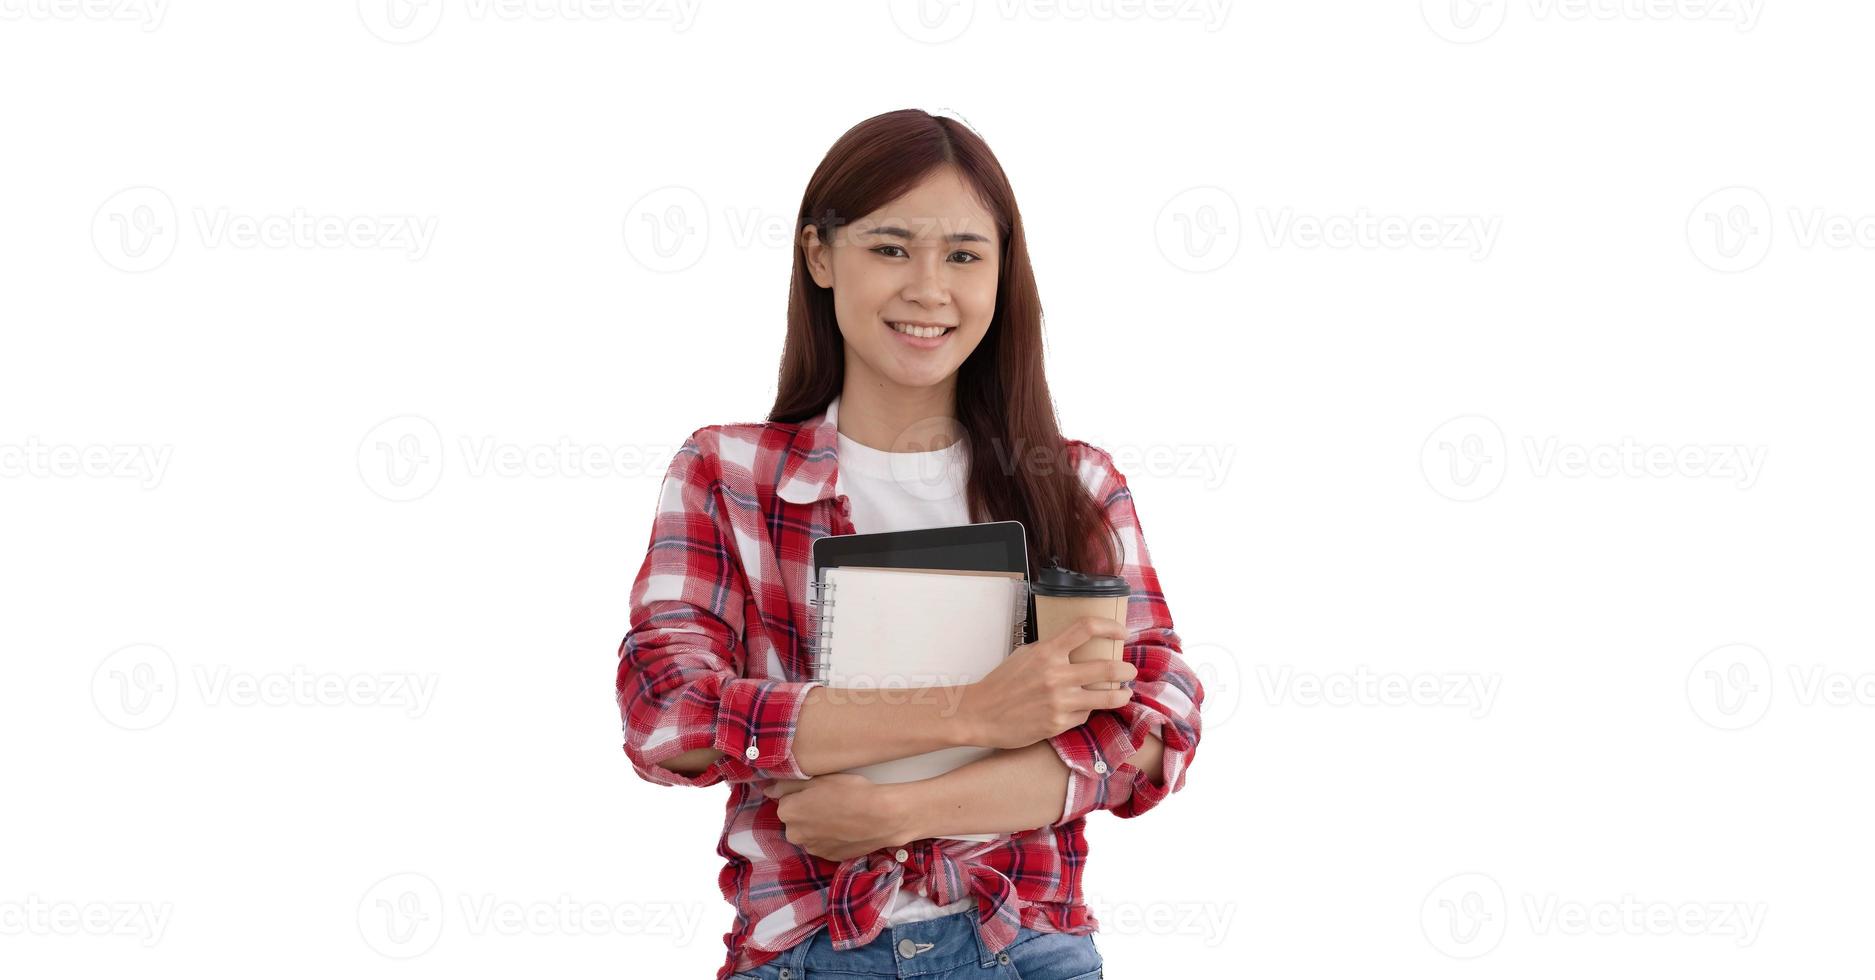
point(914, 346)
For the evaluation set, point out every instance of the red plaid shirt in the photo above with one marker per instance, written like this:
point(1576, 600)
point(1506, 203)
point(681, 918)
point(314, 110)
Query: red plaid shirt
point(714, 659)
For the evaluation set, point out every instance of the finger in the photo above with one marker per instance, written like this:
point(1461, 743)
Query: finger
point(1071, 636)
point(782, 787)
point(1085, 628)
point(1094, 671)
point(1086, 700)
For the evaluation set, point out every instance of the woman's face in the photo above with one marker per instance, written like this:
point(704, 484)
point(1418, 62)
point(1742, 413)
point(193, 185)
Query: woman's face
point(928, 257)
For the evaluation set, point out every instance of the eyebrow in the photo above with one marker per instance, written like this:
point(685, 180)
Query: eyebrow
point(897, 232)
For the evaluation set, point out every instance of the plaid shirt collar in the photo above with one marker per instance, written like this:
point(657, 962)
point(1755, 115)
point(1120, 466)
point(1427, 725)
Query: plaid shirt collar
point(810, 471)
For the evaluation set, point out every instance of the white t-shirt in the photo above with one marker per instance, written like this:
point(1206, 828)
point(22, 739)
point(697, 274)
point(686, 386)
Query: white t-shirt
point(905, 492)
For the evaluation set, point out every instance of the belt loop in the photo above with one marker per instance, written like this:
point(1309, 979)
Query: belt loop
point(985, 958)
point(794, 961)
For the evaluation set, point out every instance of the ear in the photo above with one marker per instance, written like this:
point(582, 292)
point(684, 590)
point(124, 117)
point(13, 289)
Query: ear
point(819, 257)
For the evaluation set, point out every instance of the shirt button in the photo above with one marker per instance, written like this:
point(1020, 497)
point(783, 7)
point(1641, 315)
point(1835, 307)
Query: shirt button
point(1099, 766)
point(907, 949)
point(750, 752)
point(901, 854)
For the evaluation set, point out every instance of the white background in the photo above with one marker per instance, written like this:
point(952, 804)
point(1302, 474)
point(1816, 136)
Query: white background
point(1356, 458)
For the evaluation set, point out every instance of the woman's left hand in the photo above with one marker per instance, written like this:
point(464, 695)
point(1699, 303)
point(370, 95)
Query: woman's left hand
point(840, 815)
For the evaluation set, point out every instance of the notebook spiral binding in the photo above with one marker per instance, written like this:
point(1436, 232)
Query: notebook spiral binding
point(819, 639)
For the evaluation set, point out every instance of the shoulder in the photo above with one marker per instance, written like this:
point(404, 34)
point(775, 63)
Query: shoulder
point(1096, 468)
point(744, 456)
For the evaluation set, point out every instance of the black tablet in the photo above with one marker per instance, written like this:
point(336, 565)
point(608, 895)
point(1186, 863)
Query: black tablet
point(998, 546)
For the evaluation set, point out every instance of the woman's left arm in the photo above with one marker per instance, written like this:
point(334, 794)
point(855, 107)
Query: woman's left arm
point(1102, 755)
point(1007, 793)
point(839, 815)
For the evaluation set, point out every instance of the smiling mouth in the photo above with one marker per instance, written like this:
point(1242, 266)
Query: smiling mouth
point(919, 331)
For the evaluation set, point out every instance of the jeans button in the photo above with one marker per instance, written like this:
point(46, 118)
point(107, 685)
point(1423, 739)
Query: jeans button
point(1002, 958)
point(907, 948)
point(786, 974)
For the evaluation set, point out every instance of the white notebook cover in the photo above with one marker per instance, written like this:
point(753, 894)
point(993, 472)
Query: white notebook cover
point(900, 630)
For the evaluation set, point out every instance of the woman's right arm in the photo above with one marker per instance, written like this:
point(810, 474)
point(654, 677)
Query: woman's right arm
point(839, 729)
point(680, 686)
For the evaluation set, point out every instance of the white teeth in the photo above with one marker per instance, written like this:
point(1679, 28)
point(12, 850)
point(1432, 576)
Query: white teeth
point(920, 331)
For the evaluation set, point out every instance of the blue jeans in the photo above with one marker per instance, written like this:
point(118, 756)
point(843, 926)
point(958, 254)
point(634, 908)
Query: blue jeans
point(944, 948)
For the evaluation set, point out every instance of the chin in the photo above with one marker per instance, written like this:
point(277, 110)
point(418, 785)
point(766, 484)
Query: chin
point(922, 379)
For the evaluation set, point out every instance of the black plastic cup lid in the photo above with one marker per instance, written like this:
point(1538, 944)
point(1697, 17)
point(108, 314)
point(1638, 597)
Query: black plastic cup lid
point(1067, 583)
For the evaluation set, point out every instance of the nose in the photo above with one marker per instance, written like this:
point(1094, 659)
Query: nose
point(927, 287)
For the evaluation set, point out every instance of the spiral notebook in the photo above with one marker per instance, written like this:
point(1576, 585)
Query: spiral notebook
point(903, 629)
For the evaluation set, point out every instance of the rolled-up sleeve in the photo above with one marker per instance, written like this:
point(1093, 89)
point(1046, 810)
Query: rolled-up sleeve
point(1167, 695)
point(681, 684)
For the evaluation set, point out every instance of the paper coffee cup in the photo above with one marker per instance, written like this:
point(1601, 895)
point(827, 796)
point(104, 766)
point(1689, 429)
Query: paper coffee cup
point(1063, 596)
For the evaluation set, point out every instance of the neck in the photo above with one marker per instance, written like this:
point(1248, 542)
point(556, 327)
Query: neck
point(896, 419)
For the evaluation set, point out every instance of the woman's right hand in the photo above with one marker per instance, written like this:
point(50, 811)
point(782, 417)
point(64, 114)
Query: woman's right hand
point(1035, 693)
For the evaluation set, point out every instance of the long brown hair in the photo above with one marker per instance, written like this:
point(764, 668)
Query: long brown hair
point(1019, 464)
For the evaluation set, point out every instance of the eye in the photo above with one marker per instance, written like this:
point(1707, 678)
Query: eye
point(898, 251)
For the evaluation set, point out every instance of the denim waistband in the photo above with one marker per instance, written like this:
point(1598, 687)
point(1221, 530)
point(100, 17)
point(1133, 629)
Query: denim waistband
point(911, 949)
